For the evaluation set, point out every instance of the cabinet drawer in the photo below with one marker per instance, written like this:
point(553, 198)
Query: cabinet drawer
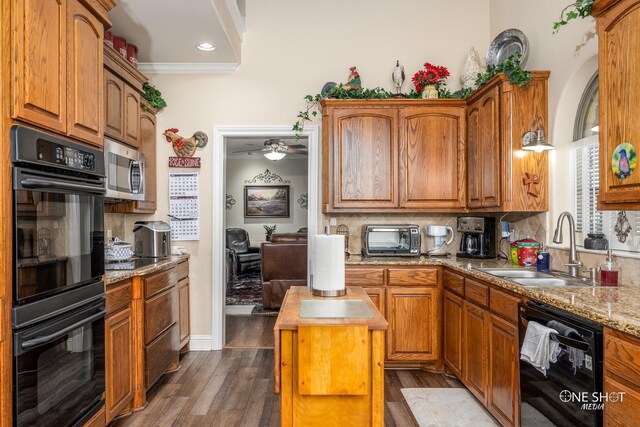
point(454, 282)
point(504, 305)
point(476, 292)
point(119, 295)
point(160, 354)
point(413, 276)
point(158, 282)
point(622, 355)
point(160, 312)
point(182, 270)
point(364, 276)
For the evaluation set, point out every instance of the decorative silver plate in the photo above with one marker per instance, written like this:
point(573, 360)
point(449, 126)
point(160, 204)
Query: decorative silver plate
point(506, 44)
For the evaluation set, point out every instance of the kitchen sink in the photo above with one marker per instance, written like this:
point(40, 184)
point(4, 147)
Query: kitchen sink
point(530, 277)
point(512, 273)
point(551, 282)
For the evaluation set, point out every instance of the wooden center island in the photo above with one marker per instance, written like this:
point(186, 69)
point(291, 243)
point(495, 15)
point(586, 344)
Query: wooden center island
point(329, 371)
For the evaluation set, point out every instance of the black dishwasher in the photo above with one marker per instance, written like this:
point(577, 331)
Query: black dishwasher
point(571, 392)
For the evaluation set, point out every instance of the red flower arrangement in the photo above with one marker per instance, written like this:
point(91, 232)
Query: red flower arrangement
point(431, 75)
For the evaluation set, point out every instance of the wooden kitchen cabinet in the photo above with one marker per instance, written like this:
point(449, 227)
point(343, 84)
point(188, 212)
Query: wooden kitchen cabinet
point(119, 349)
point(502, 176)
point(475, 336)
point(378, 297)
point(393, 155)
point(130, 120)
point(504, 381)
point(413, 318)
point(483, 150)
point(453, 312)
point(621, 361)
point(57, 73)
point(617, 23)
point(361, 158)
point(432, 157)
point(184, 323)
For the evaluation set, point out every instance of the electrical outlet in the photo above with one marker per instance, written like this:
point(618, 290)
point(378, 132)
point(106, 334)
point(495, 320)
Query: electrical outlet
point(333, 222)
point(109, 234)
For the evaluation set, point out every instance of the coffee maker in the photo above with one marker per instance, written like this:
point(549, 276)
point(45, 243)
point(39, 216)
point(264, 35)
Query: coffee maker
point(478, 237)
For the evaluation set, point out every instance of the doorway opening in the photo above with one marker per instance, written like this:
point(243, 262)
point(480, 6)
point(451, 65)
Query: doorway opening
point(254, 197)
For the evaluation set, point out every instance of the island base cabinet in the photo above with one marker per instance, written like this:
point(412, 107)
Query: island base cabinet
point(352, 399)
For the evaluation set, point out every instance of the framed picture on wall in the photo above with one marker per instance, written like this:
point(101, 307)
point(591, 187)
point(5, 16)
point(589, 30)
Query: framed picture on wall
point(266, 201)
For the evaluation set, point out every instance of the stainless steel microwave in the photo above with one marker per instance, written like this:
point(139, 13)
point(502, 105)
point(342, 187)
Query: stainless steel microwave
point(391, 240)
point(125, 171)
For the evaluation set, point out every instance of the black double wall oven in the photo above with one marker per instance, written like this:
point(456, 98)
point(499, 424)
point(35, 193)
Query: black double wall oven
point(58, 293)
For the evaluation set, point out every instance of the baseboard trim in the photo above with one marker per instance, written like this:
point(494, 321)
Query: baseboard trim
point(200, 343)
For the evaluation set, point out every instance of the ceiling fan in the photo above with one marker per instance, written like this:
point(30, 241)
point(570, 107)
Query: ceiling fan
point(276, 149)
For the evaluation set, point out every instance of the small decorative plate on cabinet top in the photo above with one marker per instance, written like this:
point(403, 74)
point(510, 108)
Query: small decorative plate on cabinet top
point(506, 44)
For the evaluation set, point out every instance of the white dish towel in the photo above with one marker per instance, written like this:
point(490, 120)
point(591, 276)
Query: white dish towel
point(538, 348)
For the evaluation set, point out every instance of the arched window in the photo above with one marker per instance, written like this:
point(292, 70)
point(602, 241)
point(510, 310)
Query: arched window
point(586, 160)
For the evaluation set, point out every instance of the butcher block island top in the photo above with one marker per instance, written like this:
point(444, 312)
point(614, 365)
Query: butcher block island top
point(329, 370)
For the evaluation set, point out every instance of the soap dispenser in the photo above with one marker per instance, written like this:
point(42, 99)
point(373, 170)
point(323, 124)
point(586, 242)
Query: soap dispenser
point(609, 271)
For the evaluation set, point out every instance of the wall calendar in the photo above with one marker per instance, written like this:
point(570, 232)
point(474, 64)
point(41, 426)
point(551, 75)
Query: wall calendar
point(183, 206)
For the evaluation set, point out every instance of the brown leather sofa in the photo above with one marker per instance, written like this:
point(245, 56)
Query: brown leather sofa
point(284, 264)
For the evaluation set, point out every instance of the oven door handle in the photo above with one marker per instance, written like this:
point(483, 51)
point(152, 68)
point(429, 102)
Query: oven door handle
point(36, 183)
point(41, 340)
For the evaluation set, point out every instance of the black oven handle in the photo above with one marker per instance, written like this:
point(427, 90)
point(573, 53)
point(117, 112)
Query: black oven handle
point(36, 183)
point(41, 340)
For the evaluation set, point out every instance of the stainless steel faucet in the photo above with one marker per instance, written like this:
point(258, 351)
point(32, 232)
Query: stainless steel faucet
point(574, 263)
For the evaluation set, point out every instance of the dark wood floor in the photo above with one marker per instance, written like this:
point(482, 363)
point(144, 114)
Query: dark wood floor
point(234, 387)
point(250, 331)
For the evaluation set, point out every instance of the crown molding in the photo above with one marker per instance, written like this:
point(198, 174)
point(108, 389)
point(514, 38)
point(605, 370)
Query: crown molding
point(187, 68)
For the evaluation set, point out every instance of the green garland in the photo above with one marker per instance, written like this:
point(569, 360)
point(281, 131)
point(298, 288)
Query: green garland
point(153, 96)
point(510, 67)
point(579, 9)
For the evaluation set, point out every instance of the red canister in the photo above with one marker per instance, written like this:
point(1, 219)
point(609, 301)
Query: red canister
point(132, 54)
point(108, 38)
point(120, 45)
point(527, 252)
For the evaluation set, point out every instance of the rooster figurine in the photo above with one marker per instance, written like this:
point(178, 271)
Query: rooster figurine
point(353, 81)
point(398, 76)
point(185, 147)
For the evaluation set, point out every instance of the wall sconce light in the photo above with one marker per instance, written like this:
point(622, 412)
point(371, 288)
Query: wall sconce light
point(534, 139)
point(275, 155)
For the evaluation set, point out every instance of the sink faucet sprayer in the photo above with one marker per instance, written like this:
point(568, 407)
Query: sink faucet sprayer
point(574, 264)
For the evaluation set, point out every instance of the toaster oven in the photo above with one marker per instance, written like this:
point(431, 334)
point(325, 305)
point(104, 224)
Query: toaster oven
point(391, 240)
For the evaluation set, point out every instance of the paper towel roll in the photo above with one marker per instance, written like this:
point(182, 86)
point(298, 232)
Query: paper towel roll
point(328, 262)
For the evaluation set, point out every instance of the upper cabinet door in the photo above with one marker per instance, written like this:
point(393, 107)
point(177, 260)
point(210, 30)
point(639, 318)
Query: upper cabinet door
point(474, 166)
point(432, 157)
point(365, 152)
point(618, 63)
point(489, 147)
point(39, 73)
point(85, 102)
point(131, 116)
point(114, 106)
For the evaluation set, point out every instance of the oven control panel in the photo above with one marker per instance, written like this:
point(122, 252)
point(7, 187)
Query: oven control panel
point(50, 152)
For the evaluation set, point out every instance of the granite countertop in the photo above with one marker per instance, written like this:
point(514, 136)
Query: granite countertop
point(113, 276)
point(615, 307)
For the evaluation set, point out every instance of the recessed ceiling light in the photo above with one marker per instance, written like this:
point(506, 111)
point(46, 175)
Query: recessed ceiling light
point(207, 47)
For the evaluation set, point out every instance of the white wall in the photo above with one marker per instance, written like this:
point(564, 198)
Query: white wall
point(291, 49)
point(571, 55)
point(241, 170)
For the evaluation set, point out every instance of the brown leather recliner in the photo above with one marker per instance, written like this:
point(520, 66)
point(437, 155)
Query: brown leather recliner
point(284, 264)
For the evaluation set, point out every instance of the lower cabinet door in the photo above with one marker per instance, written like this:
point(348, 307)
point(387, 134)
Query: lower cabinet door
point(183, 311)
point(503, 399)
point(412, 314)
point(476, 356)
point(453, 318)
point(119, 360)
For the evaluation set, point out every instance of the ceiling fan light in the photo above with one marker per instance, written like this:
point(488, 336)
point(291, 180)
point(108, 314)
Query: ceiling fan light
point(275, 155)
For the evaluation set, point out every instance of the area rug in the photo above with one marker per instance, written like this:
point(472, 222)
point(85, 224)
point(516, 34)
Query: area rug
point(447, 407)
point(246, 289)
